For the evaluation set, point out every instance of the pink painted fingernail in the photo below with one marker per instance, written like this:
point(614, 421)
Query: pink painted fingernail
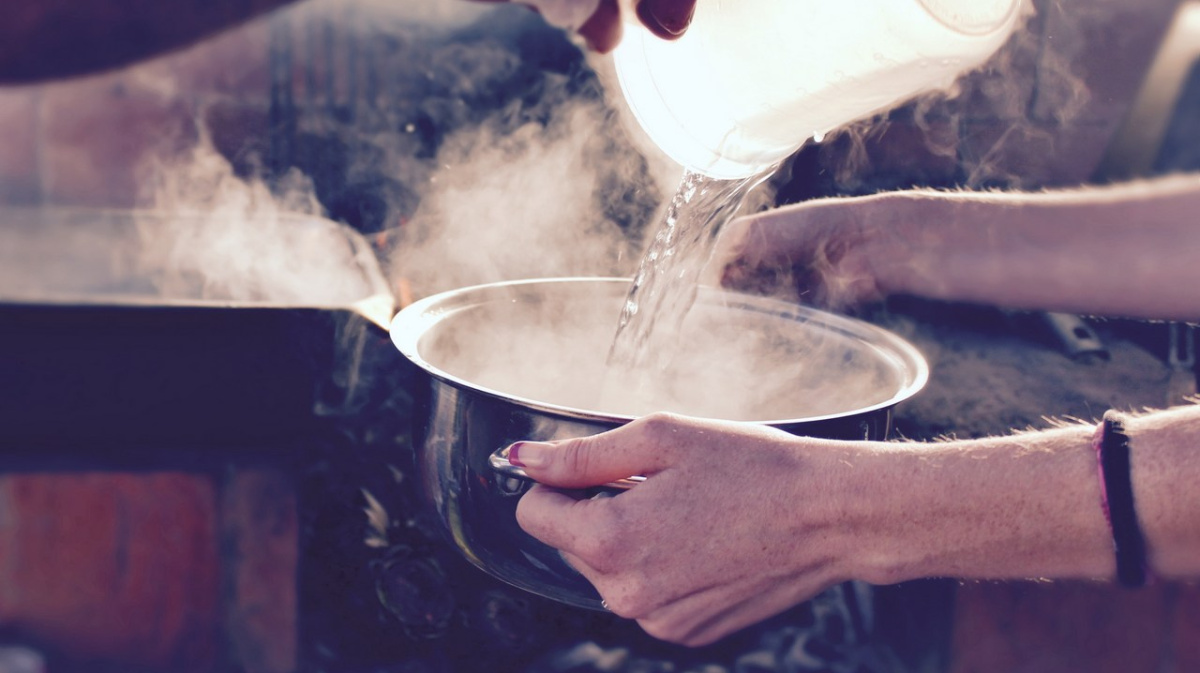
point(528, 454)
point(668, 19)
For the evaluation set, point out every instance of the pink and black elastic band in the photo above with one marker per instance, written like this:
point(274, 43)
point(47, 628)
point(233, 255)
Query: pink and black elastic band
point(1116, 486)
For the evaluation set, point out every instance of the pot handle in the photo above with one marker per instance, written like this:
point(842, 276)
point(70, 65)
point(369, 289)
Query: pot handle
point(500, 463)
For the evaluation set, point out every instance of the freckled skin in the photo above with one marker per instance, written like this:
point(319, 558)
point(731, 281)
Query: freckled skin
point(736, 523)
point(1036, 251)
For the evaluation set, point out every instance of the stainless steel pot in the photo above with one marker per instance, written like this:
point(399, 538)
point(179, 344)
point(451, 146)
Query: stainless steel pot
point(503, 361)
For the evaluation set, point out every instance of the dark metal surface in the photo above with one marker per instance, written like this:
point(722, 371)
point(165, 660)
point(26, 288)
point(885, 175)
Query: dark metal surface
point(120, 344)
point(158, 423)
point(477, 505)
point(138, 385)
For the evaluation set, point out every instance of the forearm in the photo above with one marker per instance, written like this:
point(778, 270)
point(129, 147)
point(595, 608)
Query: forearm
point(1028, 505)
point(44, 39)
point(1130, 250)
point(1014, 507)
point(1165, 467)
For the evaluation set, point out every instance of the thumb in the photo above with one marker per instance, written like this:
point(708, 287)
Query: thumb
point(588, 461)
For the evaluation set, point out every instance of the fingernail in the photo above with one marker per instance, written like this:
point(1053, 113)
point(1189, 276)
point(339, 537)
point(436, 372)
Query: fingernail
point(528, 454)
point(667, 19)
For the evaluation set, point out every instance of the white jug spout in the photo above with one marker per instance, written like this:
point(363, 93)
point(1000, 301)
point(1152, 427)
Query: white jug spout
point(973, 17)
point(751, 80)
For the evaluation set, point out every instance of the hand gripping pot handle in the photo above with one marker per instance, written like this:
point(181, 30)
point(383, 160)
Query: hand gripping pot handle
point(751, 80)
point(500, 463)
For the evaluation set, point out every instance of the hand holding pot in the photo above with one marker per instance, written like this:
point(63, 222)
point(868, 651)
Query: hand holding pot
point(599, 21)
point(734, 523)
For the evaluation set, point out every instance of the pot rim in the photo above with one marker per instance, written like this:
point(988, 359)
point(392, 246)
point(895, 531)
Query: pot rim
point(415, 320)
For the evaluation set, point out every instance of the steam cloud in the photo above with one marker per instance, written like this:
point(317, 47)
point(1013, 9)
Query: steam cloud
point(533, 201)
point(205, 236)
point(212, 235)
point(734, 361)
point(1028, 88)
point(545, 184)
point(517, 165)
point(536, 183)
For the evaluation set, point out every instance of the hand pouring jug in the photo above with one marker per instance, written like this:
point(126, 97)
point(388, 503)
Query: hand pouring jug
point(751, 80)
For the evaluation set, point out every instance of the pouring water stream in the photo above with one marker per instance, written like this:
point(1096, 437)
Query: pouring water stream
point(665, 285)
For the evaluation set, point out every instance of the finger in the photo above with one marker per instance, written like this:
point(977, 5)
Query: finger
point(691, 620)
point(597, 579)
point(749, 261)
point(641, 447)
point(696, 621)
point(754, 279)
point(603, 30)
point(668, 19)
point(556, 518)
point(582, 567)
point(770, 237)
point(707, 616)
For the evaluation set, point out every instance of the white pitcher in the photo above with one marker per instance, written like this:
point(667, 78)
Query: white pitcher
point(751, 80)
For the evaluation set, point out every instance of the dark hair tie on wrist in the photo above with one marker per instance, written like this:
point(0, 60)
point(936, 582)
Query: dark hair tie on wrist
point(1116, 497)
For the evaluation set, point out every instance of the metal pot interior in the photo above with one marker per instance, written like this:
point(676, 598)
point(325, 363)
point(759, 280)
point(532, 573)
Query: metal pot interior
point(526, 361)
point(544, 343)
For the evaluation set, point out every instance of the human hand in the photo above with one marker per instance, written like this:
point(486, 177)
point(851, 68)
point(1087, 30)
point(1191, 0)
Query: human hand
point(832, 253)
point(599, 21)
point(734, 523)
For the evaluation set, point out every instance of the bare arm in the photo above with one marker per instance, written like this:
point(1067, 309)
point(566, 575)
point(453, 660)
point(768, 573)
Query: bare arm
point(1028, 505)
point(738, 522)
point(1127, 250)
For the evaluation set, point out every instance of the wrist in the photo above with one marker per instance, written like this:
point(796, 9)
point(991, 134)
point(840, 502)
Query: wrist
point(896, 239)
point(945, 245)
point(875, 501)
point(1013, 507)
point(1164, 469)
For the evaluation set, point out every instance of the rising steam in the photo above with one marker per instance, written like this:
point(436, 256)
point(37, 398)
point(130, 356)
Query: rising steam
point(1020, 98)
point(545, 183)
point(212, 235)
point(525, 204)
point(519, 170)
